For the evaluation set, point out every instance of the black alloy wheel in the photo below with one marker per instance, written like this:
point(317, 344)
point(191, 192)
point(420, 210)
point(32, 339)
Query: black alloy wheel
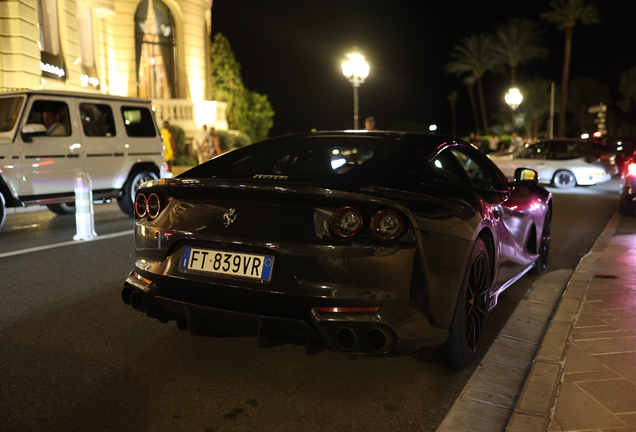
point(62, 208)
point(544, 247)
point(468, 327)
point(476, 307)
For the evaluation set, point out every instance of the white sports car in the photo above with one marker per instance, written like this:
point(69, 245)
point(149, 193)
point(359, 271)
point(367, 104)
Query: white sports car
point(564, 163)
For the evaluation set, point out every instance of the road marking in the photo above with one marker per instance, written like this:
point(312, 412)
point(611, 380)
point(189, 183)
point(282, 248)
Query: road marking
point(67, 243)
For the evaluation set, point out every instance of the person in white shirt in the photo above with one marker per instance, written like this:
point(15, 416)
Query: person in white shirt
point(515, 142)
point(200, 143)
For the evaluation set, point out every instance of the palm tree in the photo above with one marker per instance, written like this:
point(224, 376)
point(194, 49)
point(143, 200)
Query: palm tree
point(519, 41)
point(476, 54)
point(565, 13)
point(469, 82)
point(452, 98)
point(536, 103)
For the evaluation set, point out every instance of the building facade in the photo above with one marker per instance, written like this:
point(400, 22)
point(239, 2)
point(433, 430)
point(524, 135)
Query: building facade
point(153, 49)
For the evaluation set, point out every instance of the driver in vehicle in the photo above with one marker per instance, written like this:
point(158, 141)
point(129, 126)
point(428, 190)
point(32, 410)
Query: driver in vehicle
point(54, 126)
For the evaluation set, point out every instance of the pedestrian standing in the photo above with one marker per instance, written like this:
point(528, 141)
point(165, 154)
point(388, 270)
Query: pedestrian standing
point(199, 143)
point(169, 145)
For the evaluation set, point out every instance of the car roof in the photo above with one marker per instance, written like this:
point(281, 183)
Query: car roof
point(84, 95)
point(558, 139)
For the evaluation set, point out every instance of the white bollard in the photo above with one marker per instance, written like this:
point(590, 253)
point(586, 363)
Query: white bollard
point(84, 217)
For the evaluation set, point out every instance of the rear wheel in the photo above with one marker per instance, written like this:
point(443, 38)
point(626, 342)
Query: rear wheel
point(625, 209)
point(3, 211)
point(544, 246)
point(62, 208)
point(564, 179)
point(127, 200)
point(468, 327)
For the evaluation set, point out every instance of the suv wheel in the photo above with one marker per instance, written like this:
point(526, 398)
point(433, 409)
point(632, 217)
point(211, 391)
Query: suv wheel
point(3, 211)
point(62, 208)
point(127, 201)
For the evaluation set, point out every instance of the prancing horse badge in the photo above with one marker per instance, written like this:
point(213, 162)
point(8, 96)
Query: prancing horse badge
point(229, 217)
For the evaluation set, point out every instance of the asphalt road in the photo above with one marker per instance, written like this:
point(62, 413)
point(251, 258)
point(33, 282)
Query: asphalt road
point(73, 357)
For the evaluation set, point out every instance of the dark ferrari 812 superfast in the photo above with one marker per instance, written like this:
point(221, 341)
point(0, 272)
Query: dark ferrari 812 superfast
point(365, 243)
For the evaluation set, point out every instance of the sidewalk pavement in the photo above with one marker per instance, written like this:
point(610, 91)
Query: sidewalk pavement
point(583, 372)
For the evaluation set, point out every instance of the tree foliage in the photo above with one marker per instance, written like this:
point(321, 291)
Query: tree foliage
point(565, 14)
point(519, 41)
point(536, 105)
point(260, 115)
point(247, 111)
point(475, 54)
point(627, 87)
point(584, 93)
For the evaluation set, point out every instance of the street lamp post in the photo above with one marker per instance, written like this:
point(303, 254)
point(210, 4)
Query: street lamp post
point(513, 99)
point(356, 69)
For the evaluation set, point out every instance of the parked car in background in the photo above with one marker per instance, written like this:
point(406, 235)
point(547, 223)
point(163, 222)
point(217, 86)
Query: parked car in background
point(627, 199)
point(47, 137)
point(366, 243)
point(621, 148)
point(564, 163)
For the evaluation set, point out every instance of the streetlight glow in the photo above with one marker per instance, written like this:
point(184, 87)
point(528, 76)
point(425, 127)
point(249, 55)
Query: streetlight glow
point(356, 69)
point(514, 98)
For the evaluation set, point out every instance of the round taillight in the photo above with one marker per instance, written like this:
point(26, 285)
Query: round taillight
point(346, 222)
point(386, 225)
point(154, 206)
point(140, 205)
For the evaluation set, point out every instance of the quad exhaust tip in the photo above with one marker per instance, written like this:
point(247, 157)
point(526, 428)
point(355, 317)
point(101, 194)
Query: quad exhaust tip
point(137, 301)
point(348, 339)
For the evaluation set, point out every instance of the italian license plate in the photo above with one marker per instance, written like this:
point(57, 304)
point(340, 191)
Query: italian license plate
point(223, 264)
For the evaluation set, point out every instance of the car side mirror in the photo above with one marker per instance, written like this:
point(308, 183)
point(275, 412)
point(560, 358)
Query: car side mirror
point(525, 177)
point(32, 129)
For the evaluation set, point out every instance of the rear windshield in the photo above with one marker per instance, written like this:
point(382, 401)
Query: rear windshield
point(310, 158)
point(9, 111)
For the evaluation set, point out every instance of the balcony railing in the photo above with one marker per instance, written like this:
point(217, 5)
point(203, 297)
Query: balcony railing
point(184, 112)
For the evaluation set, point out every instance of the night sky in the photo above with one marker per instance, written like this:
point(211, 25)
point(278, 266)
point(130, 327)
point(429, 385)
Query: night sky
point(292, 51)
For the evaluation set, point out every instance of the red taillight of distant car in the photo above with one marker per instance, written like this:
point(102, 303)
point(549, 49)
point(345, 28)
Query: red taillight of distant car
point(386, 225)
point(631, 169)
point(346, 222)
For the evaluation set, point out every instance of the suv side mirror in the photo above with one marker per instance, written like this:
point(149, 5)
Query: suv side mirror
point(525, 177)
point(32, 129)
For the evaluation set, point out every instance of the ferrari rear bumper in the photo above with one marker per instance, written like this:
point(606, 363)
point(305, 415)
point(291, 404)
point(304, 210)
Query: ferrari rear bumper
point(392, 330)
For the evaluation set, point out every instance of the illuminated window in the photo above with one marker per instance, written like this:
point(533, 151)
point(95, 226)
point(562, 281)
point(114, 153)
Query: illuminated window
point(155, 49)
point(52, 60)
point(87, 57)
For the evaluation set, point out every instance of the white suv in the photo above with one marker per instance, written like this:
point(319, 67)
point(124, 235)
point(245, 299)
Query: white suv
point(47, 137)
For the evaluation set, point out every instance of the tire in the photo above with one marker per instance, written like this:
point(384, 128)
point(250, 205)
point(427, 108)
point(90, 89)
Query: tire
point(544, 246)
point(62, 208)
point(623, 209)
point(564, 179)
point(127, 200)
point(468, 327)
point(3, 209)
